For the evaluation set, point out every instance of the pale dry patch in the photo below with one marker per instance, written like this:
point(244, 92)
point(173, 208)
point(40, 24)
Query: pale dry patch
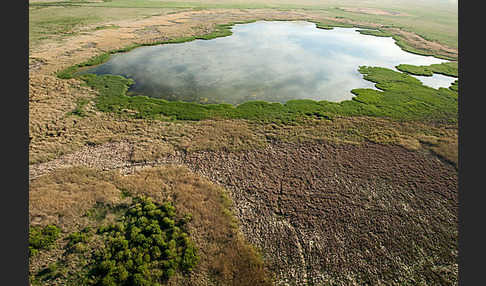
point(64, 197)
point(232, 135)
point(446, 147)
point(420, 43)
point(374, 11)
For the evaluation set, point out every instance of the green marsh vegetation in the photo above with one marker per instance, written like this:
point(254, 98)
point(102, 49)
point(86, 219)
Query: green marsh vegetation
point(401, 97)
point(447, 68)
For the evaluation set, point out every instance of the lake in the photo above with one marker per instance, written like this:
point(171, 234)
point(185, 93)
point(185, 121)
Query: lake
point(270, 61)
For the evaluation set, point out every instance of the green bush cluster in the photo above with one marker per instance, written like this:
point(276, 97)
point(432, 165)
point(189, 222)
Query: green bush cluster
point(146, 248)
point(78, 237)
point(42, 237)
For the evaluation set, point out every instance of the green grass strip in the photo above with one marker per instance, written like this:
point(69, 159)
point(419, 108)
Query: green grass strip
point(447, 69)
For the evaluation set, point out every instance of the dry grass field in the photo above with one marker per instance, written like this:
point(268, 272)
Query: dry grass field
point(355, 200)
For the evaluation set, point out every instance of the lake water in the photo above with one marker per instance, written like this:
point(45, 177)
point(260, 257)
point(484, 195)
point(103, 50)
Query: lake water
point(271, 61)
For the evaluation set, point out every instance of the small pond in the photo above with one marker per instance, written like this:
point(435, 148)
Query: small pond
point(271, 61)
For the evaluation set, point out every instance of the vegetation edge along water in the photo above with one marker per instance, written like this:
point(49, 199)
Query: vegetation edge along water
point(447, 69)
point(400, 96)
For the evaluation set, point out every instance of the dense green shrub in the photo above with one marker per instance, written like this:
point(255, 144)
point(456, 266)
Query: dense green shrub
point(147, 247)
point(42, 237)
point(51, 272)
point(78, 237)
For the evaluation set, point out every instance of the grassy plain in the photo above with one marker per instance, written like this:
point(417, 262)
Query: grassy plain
point(435, 20)
point(89, 121)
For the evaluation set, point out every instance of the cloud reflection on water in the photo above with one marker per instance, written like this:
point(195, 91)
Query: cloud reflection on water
point(272, 61)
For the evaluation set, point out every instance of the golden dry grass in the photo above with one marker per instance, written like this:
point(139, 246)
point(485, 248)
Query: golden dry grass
point(64, 196)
